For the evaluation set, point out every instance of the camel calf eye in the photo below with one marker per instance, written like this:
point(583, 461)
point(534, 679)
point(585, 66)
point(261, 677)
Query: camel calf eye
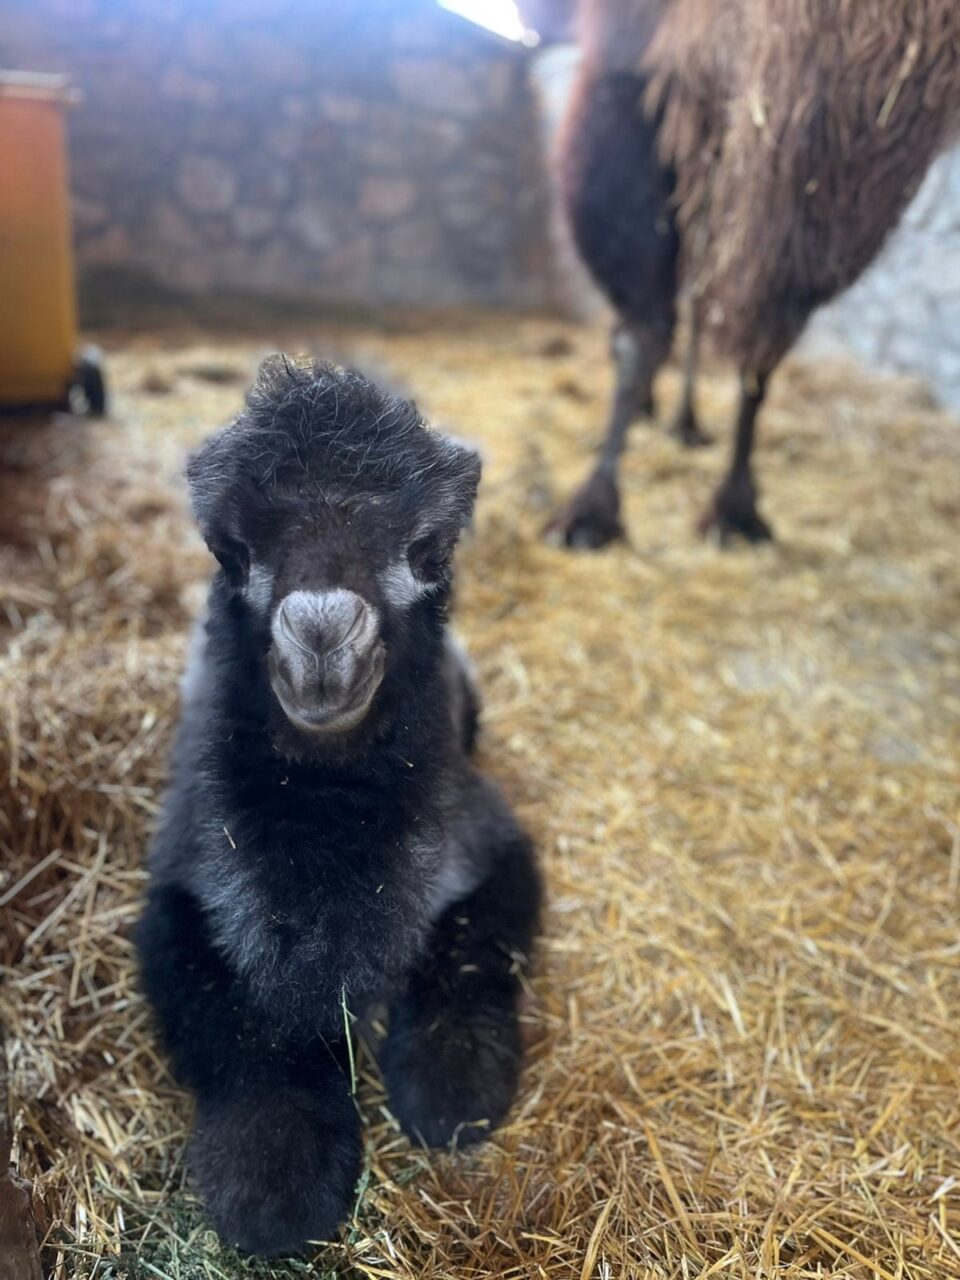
point(428, 558)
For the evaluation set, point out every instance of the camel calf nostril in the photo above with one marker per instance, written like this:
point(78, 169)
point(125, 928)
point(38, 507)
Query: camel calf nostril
point(293, 628)
point(327, 657)
point(322, 624)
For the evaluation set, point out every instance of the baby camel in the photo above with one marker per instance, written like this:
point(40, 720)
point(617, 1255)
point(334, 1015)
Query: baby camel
point(326, 842)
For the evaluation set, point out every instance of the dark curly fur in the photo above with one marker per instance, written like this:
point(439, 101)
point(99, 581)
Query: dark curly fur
point(296, 875)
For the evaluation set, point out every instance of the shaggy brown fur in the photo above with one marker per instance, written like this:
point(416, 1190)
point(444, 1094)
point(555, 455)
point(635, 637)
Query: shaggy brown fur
point(824, 116)
point(840, 109)
point(795, 133)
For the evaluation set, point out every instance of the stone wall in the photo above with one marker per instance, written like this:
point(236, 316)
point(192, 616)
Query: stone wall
point(363, 152)
point(904, 312)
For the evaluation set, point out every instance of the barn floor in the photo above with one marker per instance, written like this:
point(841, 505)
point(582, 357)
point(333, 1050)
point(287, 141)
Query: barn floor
point(741, 771)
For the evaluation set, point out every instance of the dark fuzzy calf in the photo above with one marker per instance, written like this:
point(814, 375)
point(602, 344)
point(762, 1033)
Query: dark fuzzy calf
point(326, 842)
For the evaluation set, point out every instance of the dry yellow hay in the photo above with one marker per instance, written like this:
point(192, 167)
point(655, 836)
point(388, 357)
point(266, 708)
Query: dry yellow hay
point(741, 771)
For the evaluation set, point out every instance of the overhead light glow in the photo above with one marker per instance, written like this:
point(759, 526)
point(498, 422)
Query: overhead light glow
point(499, 16)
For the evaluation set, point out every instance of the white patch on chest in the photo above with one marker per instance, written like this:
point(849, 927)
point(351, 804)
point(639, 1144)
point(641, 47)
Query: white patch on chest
point(454, 881)
point(191, 682)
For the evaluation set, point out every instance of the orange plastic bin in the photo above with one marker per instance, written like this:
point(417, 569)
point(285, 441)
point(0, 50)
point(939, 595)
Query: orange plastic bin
point(39, 360)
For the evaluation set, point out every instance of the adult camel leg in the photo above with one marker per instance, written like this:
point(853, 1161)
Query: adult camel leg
point(685, 425)
point(592, 517)
point(733, 511)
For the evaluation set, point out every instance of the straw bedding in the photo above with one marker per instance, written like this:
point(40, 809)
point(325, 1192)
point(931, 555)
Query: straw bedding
point(741, 771)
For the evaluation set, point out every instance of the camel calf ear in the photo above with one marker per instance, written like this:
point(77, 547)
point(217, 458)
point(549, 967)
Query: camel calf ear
point(447, 509)
point(459, 492)
point(216, 504)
